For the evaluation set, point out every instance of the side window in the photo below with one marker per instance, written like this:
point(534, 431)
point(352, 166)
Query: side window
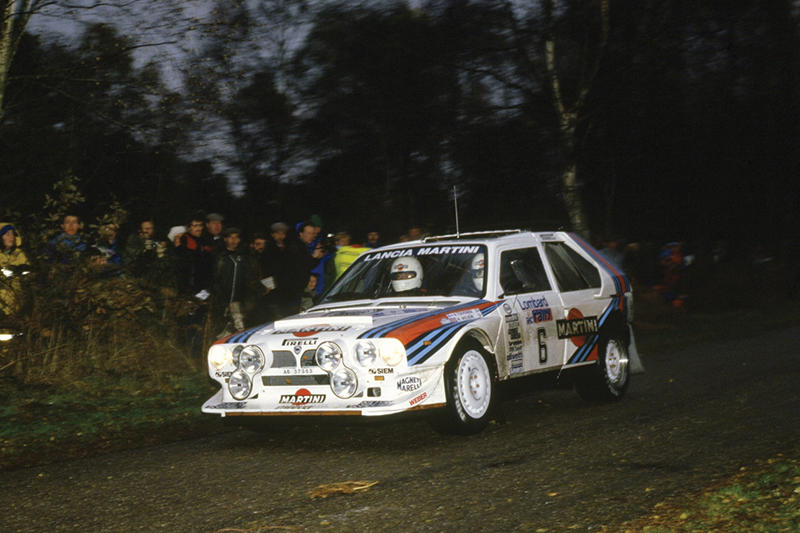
point(522, 271)
point(572, 271)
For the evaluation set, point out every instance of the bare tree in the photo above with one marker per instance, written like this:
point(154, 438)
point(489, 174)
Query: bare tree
point(569, 112)
point(16, 14)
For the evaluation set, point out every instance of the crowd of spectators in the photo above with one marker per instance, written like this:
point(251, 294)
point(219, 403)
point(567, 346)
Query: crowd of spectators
point(236, 283)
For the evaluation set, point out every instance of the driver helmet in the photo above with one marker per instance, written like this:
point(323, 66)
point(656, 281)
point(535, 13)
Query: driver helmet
point(477, 267)
point(406, 274)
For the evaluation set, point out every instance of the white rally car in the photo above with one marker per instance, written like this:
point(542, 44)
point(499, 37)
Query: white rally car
point(438, 323)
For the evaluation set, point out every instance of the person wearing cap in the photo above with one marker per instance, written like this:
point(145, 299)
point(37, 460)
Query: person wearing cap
point(234, 279)
point(213, 231)
point(13, 264)
point(283, 261)
point(174, 235)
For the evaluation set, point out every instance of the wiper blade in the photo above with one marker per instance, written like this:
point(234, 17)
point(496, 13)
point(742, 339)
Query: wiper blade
point(343, 296)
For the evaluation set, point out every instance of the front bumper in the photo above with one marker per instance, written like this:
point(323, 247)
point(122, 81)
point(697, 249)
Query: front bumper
point(381, 395)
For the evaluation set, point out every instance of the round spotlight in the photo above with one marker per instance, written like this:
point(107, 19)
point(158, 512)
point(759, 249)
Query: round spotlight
point(344, 382)
point(251, 359)
point(366, 353)
point(239, 385)
point(328, 356)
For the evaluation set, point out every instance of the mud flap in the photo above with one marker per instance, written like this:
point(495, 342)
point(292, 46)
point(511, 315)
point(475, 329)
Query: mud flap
point(634, 361)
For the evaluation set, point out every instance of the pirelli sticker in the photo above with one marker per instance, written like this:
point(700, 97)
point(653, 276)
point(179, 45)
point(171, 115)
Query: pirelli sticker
point(576, 327)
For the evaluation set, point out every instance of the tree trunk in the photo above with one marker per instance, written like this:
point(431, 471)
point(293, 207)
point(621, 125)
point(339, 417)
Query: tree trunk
point(568, 119)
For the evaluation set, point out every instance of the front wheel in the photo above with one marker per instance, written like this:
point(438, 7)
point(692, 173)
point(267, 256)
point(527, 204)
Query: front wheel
point(470, 389)
point(608, 379)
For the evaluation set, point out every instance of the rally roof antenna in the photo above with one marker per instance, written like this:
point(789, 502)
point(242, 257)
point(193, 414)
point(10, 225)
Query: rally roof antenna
point(455, 204)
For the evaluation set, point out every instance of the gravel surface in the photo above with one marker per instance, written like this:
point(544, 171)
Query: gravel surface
point(556, 463)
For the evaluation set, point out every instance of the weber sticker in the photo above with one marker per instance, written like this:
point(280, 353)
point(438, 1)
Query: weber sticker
point(576, 327)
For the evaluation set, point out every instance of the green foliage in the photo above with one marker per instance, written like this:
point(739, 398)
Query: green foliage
point(764, 498)
point(87, 317)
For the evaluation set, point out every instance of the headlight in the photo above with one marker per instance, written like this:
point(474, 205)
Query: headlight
point(392, 351)
point(219, 356)
point(344, 382)
point(239, 385)
point(235, 354)
point(328, 356)
point(251, 359)
point(366, 353)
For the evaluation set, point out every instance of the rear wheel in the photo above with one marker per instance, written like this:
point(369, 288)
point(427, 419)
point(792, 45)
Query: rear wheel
point(608, 379)
point(470, 388)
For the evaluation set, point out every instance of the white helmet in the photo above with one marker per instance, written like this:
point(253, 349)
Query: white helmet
point(406, 274)
point(477, 267)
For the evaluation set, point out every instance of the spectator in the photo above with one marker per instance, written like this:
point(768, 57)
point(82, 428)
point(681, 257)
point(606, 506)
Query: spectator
point(289, 264)
point(233, 279)
point(317, 255)
point(258, 244)
point(310, 293)
point(373, 240)
point(142, 248)
point(174, 235)
point(346, 253)
point(260, 311)
point(13, 264)
point(195, 260)
point(612, 252)
point(214, 231)
point(67, 245)
point(414, 233)
point(108, 243)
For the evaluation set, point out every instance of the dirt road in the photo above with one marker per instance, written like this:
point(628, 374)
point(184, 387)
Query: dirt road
point(556, 463)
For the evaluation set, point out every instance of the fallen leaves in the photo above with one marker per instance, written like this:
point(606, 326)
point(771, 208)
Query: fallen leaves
point(342, 487)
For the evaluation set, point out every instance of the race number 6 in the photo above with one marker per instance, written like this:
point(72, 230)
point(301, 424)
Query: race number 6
point(542, 335)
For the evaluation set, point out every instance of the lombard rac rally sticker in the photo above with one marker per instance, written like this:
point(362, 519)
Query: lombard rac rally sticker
point(409, 383)
point(302, 397)
point(461, 316)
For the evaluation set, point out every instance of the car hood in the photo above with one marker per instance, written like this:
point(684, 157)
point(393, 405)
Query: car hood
point(368, 319)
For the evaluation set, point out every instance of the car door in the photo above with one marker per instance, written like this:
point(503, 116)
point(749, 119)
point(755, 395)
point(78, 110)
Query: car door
point(530, 309)
point(579, 282)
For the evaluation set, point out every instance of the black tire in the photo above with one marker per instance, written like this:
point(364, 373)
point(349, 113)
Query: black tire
point(608, 379)
point(470, 381)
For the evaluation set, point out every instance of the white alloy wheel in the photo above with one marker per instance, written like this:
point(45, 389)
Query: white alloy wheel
point(474, 384)
point(616, 363)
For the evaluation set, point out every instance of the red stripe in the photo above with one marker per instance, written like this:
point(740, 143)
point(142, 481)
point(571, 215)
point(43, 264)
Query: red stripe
point(409, 332)
point(609, 266)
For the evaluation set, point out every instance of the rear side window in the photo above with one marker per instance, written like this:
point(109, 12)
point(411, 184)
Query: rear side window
point(572, 271)
point(522, 271)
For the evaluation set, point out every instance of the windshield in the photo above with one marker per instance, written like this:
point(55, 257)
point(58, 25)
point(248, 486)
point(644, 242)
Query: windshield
point(447, 270)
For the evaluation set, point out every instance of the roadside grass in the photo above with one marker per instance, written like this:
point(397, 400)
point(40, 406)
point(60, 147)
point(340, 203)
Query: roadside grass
point(41, 424)
point(762, 498)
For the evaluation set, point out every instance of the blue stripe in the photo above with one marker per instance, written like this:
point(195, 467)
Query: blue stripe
point(419, 343)
point(243, 336)
point(424, 354)
point(418, 351)
point(382, 330)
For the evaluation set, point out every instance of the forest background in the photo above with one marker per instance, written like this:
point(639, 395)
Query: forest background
point(685, 125)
